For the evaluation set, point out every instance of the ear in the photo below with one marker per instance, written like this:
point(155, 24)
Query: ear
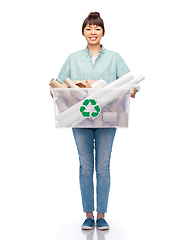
point(103, 33)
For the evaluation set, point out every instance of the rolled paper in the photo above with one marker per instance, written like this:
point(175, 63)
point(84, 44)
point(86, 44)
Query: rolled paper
point(98, 121)
point(72, 100)
point(76, 117)
point(96, 95)
point(70, 83)
point(99, 84)
point(123, 119)
point(58, 93)
point(121, 98)
point(110, 116)
point(55, 84)
point(80, 94)
point(61, 93)
point(61, 104)
point(119, 91)
point(86, 123)
point(64, 92)
point(107, 108)
point(118, 106)
point(67, 83)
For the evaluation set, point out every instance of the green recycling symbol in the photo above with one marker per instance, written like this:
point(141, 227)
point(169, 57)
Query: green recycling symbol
point(95, 109)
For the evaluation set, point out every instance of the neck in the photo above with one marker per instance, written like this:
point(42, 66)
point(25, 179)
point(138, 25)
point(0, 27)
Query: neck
point(94, 49)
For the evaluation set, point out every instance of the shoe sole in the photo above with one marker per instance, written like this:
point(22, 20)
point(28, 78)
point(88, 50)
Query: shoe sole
point(87, 227)
point(103, 228)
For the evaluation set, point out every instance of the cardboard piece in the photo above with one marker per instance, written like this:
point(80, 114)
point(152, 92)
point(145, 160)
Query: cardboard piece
point(84, 84)
point(80, 84)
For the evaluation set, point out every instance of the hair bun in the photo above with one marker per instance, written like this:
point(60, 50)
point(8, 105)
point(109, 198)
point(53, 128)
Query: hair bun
point(94, 14)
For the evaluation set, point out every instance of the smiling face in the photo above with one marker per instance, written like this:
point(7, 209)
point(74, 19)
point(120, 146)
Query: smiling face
point(93, 34)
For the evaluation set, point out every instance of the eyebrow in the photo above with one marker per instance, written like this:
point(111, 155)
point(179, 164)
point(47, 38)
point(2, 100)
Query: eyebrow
point(96, 26)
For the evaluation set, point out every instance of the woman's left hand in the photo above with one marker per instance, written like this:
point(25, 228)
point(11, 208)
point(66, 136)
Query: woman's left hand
point(133, 93)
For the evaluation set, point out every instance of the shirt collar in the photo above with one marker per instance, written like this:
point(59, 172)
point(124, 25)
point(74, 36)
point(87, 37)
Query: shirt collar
point(100, 52)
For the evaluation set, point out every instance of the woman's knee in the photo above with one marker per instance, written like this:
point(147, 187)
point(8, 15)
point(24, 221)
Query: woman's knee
point(86, 166)
point(103, 168)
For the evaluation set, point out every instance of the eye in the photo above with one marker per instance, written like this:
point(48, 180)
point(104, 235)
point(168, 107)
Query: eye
point(88, 29)
point(98, 29)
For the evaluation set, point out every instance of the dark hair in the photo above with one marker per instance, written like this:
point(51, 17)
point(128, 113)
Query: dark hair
point(93, 18)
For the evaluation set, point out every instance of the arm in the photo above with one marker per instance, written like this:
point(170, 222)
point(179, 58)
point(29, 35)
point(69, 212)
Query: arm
point(122, 69)
point(65, 71)
point(63, 74)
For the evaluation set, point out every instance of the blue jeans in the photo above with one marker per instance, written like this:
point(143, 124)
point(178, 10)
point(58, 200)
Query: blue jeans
point(100, 140)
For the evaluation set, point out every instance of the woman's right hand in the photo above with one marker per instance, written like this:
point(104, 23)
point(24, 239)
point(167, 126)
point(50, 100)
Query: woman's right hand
point(51, 92)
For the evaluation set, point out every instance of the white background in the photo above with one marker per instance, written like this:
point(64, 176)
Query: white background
point(39, 166)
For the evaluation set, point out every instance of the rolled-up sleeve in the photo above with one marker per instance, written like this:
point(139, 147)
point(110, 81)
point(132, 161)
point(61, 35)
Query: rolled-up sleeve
point(65, 71)
point(121, 67)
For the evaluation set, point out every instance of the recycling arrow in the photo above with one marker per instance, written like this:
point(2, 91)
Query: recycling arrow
point(94, 112)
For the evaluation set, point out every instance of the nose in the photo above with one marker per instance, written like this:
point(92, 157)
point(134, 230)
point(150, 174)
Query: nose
point(92, 31)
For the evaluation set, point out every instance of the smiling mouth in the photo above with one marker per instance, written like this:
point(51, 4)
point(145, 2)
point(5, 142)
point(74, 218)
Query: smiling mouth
point(93, 38)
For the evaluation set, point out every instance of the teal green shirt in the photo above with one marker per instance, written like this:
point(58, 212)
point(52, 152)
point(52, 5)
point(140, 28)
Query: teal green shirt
point(108, 66)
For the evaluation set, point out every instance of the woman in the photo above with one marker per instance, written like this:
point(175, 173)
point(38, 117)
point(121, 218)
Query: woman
point(94, 62)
